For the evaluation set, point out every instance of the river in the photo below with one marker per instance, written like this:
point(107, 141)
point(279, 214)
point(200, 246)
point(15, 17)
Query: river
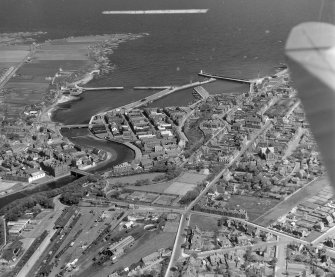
point(237, 38)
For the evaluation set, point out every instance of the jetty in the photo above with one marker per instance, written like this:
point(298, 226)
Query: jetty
point(225, 78)
point(101, 88)
point(160, 94)
point(185, 11)
point(153, 88)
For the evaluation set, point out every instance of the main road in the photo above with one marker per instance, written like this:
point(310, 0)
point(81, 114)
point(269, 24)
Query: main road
point(224, 170)
point(178, 240)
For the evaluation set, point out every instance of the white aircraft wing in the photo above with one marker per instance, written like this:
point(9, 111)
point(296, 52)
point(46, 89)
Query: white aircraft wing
point(310, 50)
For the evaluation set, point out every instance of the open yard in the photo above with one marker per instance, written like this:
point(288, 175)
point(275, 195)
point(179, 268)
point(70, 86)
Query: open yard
point(90, 226)
point(39, 224)
point(148, 244)
point(205, 223)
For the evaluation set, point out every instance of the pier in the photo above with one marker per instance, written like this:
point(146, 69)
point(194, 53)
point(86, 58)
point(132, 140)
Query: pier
point(208, 75)
point(160, 94)
point(153, 88)
point(185, 11)
point(102, 88)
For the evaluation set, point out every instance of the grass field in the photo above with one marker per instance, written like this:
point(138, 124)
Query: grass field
point(179, 188)
point(300, 196)
point(6, 185)
point(158, 188)
point(15, 56)
point(254, 206)
point(205, 223)
point(165, 200)
point(192, 178)
point(132, 179)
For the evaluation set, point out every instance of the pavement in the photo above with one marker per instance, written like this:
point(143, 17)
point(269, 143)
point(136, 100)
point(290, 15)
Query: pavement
point(182, 223)
point(36, 255)
point(280, 268)
point(177, 243)
point(48, 227)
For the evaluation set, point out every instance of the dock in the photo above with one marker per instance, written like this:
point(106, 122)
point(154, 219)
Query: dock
point(202, 92)
point(208, 75)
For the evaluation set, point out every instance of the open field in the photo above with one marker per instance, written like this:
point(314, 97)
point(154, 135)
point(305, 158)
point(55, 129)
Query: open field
point(205, 223)
point(5, 185)
point(191, 178)
point(18, 95)
point(165, 200)
point(300, 196)
point(179, 188)
point(132, 179)
point(38, 70)
point(12, 56)
point(254, 206)
point(158, 188)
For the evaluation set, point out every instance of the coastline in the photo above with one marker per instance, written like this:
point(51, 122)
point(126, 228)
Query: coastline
point(46, 115)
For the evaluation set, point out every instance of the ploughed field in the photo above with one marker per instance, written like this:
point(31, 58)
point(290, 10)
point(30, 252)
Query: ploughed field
point(36, 66)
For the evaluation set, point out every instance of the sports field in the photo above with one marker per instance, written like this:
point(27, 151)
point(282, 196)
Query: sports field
point(179, 188)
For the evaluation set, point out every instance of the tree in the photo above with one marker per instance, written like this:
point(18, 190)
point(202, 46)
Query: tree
point(319, 272)
point(274, 261)
point(248, 254)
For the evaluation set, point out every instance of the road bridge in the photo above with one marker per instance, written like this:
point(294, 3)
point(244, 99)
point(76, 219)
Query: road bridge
point(75, 126)
point(208, 75)
point(78, 172)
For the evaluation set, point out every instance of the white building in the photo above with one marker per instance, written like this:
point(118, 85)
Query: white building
point(36, 175)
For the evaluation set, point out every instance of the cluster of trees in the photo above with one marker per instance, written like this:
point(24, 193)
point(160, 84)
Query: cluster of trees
point(17, 208)
point(2, 234)
point(143, 182)
point(190, 196)
point(71, 198)
point(222, 211)
point(171, 172)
